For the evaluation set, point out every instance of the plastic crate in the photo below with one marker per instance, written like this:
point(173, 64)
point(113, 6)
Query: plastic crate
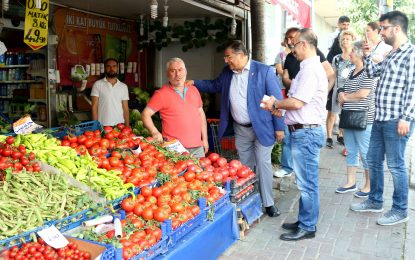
point(72, 221)
point(251, 207)
point(57, 132)
point(87, 126)
point(175, 235)
point(222, 201)
point(235, 189)
point(19, 239)
point(235, 199)
point(154, 251)
point(108, 254)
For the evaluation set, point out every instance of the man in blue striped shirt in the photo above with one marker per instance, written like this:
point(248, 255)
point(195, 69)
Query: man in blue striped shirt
point(395, 113)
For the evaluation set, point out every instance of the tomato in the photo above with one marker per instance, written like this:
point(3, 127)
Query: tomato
point(97, 133)
point(104, 143)
point(235, 164)
point(22, 149)
point(32, 156)
point(116, 154)
point(81, 149)
point(189, 176)
point(10, 140)
point(6, 152)
point(160, 215)
point(221, 161)
point(217, 177)
point(24, 161)
point(147, 213)
point(128, 205)
point(128, 159)
point(114, 161)
point(89, 133)
point(243, 172)
point(89, 143)
point(73, 139)
point(213, 157)
point(82, 139)
point(65, 143)
point(120, 126)
point(177, 207)
point(16, 155)
point(146, 191)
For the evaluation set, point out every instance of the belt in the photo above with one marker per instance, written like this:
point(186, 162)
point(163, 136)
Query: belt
point(293, 128)
point(245, 125)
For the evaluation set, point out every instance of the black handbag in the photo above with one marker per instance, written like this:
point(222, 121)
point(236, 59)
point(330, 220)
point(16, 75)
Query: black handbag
point(353, 119)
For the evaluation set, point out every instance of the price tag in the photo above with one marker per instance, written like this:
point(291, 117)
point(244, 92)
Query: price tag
point(36, 23)
point(53, 237)
point(175, 145)
point(25, 125)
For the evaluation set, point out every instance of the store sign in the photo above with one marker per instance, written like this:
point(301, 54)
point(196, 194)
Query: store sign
point(36, 23)
point(299, 9)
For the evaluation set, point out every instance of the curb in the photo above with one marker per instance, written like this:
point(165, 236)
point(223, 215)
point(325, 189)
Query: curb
point(409, 249)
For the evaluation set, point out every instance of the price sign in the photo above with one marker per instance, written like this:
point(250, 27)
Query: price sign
point(53, 237)
point(36, 23)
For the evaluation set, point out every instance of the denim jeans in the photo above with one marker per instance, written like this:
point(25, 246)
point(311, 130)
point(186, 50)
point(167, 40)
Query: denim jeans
point(286, 158)
point(386, 140)
point(357, 141)
point(305, 148)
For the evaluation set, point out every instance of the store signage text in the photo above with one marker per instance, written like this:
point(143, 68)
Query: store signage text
point(86, 22)
point(36, 24)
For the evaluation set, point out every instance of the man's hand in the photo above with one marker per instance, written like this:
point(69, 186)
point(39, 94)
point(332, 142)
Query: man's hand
point(189, 82)
point(279, 135)
point(206, 145)
point(157, 137)
point(403, 127)
point(269, 104)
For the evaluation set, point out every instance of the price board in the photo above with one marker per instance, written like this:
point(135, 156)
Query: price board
point(36, 23)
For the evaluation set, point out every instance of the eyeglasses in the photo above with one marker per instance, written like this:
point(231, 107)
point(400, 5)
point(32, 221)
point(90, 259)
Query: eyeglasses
point(230, 56)
point(386, 27)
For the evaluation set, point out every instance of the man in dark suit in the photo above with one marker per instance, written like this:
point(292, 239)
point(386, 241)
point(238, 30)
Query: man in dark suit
point(242, 84)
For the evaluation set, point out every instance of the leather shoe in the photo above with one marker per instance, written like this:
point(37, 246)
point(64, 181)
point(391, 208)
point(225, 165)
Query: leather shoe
point(290, 226)
point(272, 211)
point(298, 235)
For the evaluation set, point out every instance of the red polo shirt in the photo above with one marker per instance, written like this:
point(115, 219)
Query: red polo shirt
point(180, 117)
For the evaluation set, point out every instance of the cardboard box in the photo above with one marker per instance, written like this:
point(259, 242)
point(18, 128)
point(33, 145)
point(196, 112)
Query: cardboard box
point(94, 249)
point(37, 91)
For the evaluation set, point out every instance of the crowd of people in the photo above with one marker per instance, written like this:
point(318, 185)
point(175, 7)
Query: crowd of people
point(368, 82)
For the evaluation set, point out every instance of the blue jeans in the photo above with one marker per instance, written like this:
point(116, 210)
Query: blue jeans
point(286, 158)
point(305, 148)
point(386, 140)
point(357, 141)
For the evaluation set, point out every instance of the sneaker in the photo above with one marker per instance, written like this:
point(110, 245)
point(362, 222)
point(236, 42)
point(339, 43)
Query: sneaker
point(366, 206)
point(282, 173)
point(361, 194)
point(340, 139)
point(345, 190)
point(391, 218)
point(329, 143)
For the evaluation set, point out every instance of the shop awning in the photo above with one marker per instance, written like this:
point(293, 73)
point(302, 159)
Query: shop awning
point(299, 9)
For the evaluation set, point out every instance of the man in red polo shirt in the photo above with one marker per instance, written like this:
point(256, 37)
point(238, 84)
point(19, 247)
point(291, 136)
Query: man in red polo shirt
point(181, 111)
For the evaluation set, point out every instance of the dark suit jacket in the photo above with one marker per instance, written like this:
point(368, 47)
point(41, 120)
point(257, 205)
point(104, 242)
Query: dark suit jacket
point(262, 80)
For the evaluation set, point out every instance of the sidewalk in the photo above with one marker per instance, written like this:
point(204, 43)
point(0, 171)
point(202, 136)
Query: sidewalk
point(342, 234)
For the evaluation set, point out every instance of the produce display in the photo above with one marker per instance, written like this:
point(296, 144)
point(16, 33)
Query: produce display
point(83, 168)
point(40, 250)
point(166, 190)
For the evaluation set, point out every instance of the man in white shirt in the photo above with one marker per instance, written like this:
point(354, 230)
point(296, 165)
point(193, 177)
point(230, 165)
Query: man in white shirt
point(110, 97)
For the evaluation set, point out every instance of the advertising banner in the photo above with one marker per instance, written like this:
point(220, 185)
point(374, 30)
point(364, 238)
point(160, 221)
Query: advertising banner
point(87, 39)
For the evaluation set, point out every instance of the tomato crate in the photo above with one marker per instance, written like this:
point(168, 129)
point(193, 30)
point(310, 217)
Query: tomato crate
point(241, 196)
point(57, 132)
point(19, 239)
point(225, 146)
point(159, 248)
point(175, 235)
point(222, 201)
point(87, 126)
point(236, 188)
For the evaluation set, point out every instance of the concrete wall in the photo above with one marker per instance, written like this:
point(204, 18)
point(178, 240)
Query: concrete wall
point(274, 32)
point(323, 31)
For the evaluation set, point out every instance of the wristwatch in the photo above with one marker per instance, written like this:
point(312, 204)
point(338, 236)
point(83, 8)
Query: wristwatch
point(274, 106)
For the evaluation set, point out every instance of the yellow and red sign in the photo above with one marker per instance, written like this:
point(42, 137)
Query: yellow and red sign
point(36, 23)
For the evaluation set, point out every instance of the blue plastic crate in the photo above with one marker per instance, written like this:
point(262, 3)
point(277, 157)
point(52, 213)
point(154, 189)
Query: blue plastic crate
point(19, 239)
point(156, 250)
point(87, 126)
point(175, 235)
point(222, 201)
point(72, 221)
point(58, 132)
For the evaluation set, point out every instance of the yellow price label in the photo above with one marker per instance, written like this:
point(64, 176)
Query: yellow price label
point(36, 23)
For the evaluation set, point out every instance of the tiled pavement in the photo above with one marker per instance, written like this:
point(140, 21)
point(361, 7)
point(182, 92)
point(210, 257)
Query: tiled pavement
point(342, 234)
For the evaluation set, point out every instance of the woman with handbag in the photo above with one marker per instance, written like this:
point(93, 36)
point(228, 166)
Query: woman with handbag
point(356, 118)
point(342, 66)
